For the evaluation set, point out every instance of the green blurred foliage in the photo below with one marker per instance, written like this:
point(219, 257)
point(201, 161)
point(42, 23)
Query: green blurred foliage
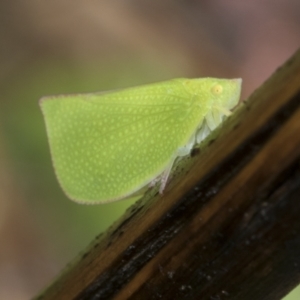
point(294, 295)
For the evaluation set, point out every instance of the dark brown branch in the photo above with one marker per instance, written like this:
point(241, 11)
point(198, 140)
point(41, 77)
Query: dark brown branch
point(228, 225)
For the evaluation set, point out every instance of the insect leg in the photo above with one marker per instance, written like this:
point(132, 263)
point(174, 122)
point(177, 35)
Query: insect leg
point(165, 175)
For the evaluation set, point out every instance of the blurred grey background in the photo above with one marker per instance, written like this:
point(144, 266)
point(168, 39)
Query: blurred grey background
point(51, 47)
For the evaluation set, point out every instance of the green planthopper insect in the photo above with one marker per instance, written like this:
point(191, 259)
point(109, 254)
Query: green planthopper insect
point(108, 146)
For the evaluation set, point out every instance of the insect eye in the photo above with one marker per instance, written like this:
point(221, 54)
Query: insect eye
point(217, 89)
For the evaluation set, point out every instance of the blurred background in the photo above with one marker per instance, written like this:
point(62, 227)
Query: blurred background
point(67, 46)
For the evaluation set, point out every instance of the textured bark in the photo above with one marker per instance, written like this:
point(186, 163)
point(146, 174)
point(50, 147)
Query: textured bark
point(228, 225)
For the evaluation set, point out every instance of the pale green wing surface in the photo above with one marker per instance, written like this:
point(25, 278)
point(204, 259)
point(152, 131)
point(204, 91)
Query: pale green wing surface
point(107, 146)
